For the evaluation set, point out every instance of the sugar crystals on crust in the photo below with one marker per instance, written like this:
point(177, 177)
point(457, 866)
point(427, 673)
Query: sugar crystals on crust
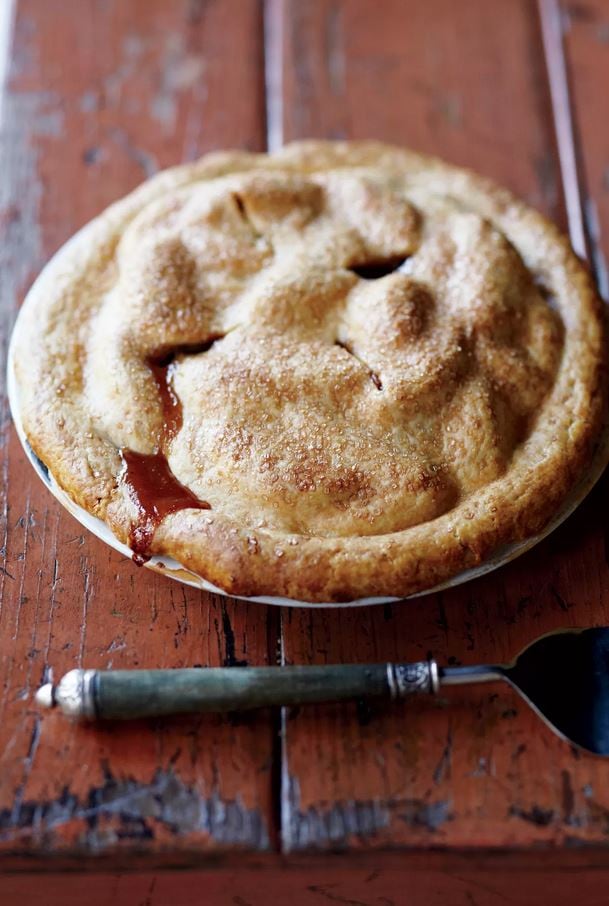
point(337, 371)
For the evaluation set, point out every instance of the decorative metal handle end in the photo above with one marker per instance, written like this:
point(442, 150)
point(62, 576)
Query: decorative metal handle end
point(45, 697)
point(123, 694)
point(413, 679)
point(73, 695)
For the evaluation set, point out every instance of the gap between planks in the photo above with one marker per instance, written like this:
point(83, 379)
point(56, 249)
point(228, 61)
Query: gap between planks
point(571, 167)
point(273, 72)
point(273, 14)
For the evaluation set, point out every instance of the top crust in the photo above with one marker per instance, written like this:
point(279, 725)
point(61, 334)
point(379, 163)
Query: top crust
point(387, 367)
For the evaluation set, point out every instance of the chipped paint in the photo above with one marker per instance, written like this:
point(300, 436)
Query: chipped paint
point(92, 155)
point(323, 826)
point(442, 770)
point(88, 102)
point(147, 162)
point(574, 811)
point(241, 758)
point(132, 51)
point(180, 71)
point(537, 815)
point(125, 808)
point(319, 826)
point(46, 804)
point(7, 21)
point(424, 814)
point(27, 116)
point(450, 107)
point(334, 52)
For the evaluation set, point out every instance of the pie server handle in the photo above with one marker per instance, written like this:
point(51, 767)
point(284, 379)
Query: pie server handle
point(127, 694)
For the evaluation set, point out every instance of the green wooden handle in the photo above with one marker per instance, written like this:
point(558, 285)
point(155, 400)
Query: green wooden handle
point(144, 693)
point(125, 694)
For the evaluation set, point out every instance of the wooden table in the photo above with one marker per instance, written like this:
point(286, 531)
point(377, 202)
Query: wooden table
point(463, 802)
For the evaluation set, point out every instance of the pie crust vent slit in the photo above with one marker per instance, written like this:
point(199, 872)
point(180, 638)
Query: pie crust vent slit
point(161, 366)
point(374, 377)
point(374, 270)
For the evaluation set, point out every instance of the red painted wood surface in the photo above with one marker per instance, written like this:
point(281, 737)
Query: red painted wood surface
point(100, 95)
point(452, 882)
point(477, 768)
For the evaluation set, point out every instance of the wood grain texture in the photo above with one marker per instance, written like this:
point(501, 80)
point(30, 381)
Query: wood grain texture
point(99, 96)
point(469, 86)
point(476, 768)
point(432, 884)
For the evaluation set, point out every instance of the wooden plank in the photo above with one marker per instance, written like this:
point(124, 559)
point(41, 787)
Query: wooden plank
point(370, 884)
point(99, 96)
point(421, 75)
point(475, 768)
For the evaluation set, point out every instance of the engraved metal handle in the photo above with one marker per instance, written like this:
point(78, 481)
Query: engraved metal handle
point(126, 694)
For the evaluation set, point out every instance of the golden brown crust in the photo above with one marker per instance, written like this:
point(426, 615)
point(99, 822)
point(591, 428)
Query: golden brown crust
point(355, 435)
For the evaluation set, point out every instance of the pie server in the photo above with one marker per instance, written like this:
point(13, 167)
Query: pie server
point(564, 676)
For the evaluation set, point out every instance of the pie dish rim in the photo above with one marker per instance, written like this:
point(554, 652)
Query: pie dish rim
point(500, 555)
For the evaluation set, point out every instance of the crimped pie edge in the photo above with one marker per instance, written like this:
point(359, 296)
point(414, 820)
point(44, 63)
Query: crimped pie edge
point(512, 508)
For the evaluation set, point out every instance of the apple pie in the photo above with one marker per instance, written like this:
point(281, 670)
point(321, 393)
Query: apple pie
point(336, 371)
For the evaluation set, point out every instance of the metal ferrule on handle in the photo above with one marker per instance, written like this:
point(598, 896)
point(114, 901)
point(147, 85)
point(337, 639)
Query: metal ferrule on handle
point(127, 694)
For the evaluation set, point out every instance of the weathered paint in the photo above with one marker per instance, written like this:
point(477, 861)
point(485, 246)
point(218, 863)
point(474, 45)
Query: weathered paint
point(126, 809)
point(474, 88)
point(80, 127)
point(91, 109)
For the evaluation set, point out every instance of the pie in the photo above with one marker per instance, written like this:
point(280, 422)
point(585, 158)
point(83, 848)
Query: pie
point(338, 371)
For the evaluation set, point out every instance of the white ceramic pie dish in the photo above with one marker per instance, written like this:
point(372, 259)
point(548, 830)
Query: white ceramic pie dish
point(168, 567)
